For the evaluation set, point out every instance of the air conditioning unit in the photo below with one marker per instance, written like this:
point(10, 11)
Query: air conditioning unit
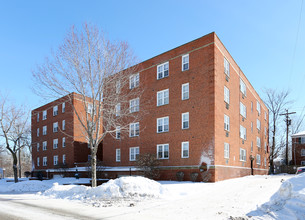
point(227, 134)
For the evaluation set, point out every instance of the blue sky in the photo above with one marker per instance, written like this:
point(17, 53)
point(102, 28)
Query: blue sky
point(261, 36)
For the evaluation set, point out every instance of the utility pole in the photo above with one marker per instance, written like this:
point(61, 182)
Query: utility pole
point(288, 122)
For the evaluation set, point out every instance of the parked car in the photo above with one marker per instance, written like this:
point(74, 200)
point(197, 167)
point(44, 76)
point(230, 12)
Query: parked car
point(300, 170)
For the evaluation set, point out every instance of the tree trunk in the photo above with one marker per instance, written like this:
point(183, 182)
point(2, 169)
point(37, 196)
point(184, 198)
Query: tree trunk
point(15, 167)
point(93, 169)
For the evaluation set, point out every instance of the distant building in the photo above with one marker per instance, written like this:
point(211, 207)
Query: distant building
point(298, 148)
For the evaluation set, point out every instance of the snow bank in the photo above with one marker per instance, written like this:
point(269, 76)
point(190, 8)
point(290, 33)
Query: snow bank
point(289, 201)
point(29, 186)
point(124, 187)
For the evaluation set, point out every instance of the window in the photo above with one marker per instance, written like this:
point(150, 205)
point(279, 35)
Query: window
point(227, 95)
point(118, 109)
point(303, 152)
point(117, 155)
point(227, 67)
point(55, 143)
point(55, 126)
point(258, 107)
point(64, 159)
point(251, 106)
point(242, 110)
point(243, 132)
point(242, 154)
point(134, 105)
point(90, 108)
point(303, 163)
point(55, 160)
point(134, 81)
point(63, 142)
point(134, 129)
point(38, 164)
point(302, 140)
point(265, 146)
point(55, 110)
point(185, 149)
point(37, 132)
point(162, 124)
point(258, 124)
point(44, 161)
point(63, 125)
point(251, 126)
point(37, 147)
point(265, 116)
point(243, 87)
point(258, 142)
point(162, 151)
point(185, 120)
point(251, 146)
point(185, 62)
point(163, 97)
point(134, 153)
point(265, 161)
point(118, 86)
point(118, 132)
point(37, 117)
point(185, 91)
point(227, 122)
point(162, 70)
point(63, 108)
point(44, 145)
point(44, 115)
point(44, 130)
point(226, 150)
point(258, 159)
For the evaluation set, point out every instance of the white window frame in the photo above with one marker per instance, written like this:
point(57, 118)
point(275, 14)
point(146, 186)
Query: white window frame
point(226, 67)
point(242, 132)
point(118, 109)
point(118, 132)
point(44, 130)
point(118, 86)
point(63, 125)
point(134, 153)
point(302, 152)
point(226, 123)
point(226, 95)
point(161, 123)
point(265, 146)
point(161, 71)
point(258, 124)
point(38, 161)
point(185, 62)
point(37, 117)
point(134, 105)
point(63, 142)
point(226, 150)
point(55, 127)
point(64, 159)
point(55, 160)
point(163, 97)
point(63, 107)
point(243, 87)
point(185, 120)
point(118, 155)
point(37, 132)
point(302, 140)
point(242, 110)
point(185, 147)
point(163, 148)
point(251, 106)
point(44, 161)
point(55, 110)
point(44, 115)
point(258, 142)
point(134, 81)
point(242, 154)
point(258, 107)
point(251, 126)
point(134, 129)
point(265, 161)
point(37, 147)
point(44, 145)
point(90, 108)
point(55, 143)
point(258, 159)
point(185, 91)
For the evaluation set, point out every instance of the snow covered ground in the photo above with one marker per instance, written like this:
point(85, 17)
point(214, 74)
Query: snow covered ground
point(252, 197)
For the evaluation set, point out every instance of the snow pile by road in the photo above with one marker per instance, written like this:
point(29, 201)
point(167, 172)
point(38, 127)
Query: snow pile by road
point(121, 188)
point(29, 186)
point(289, 201)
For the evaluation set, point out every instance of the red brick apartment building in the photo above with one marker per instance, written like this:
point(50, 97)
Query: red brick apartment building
point(298, 148)
point(57, 139)
point(201, 115)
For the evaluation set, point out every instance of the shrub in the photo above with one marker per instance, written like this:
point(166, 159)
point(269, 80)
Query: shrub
point(180, 175)
point(194, 176)
point(27, 174)
point(148, 163)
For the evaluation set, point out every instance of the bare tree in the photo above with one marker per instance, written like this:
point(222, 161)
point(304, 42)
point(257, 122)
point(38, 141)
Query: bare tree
point(99, 71)
point(276, 102)
point(14, 129)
